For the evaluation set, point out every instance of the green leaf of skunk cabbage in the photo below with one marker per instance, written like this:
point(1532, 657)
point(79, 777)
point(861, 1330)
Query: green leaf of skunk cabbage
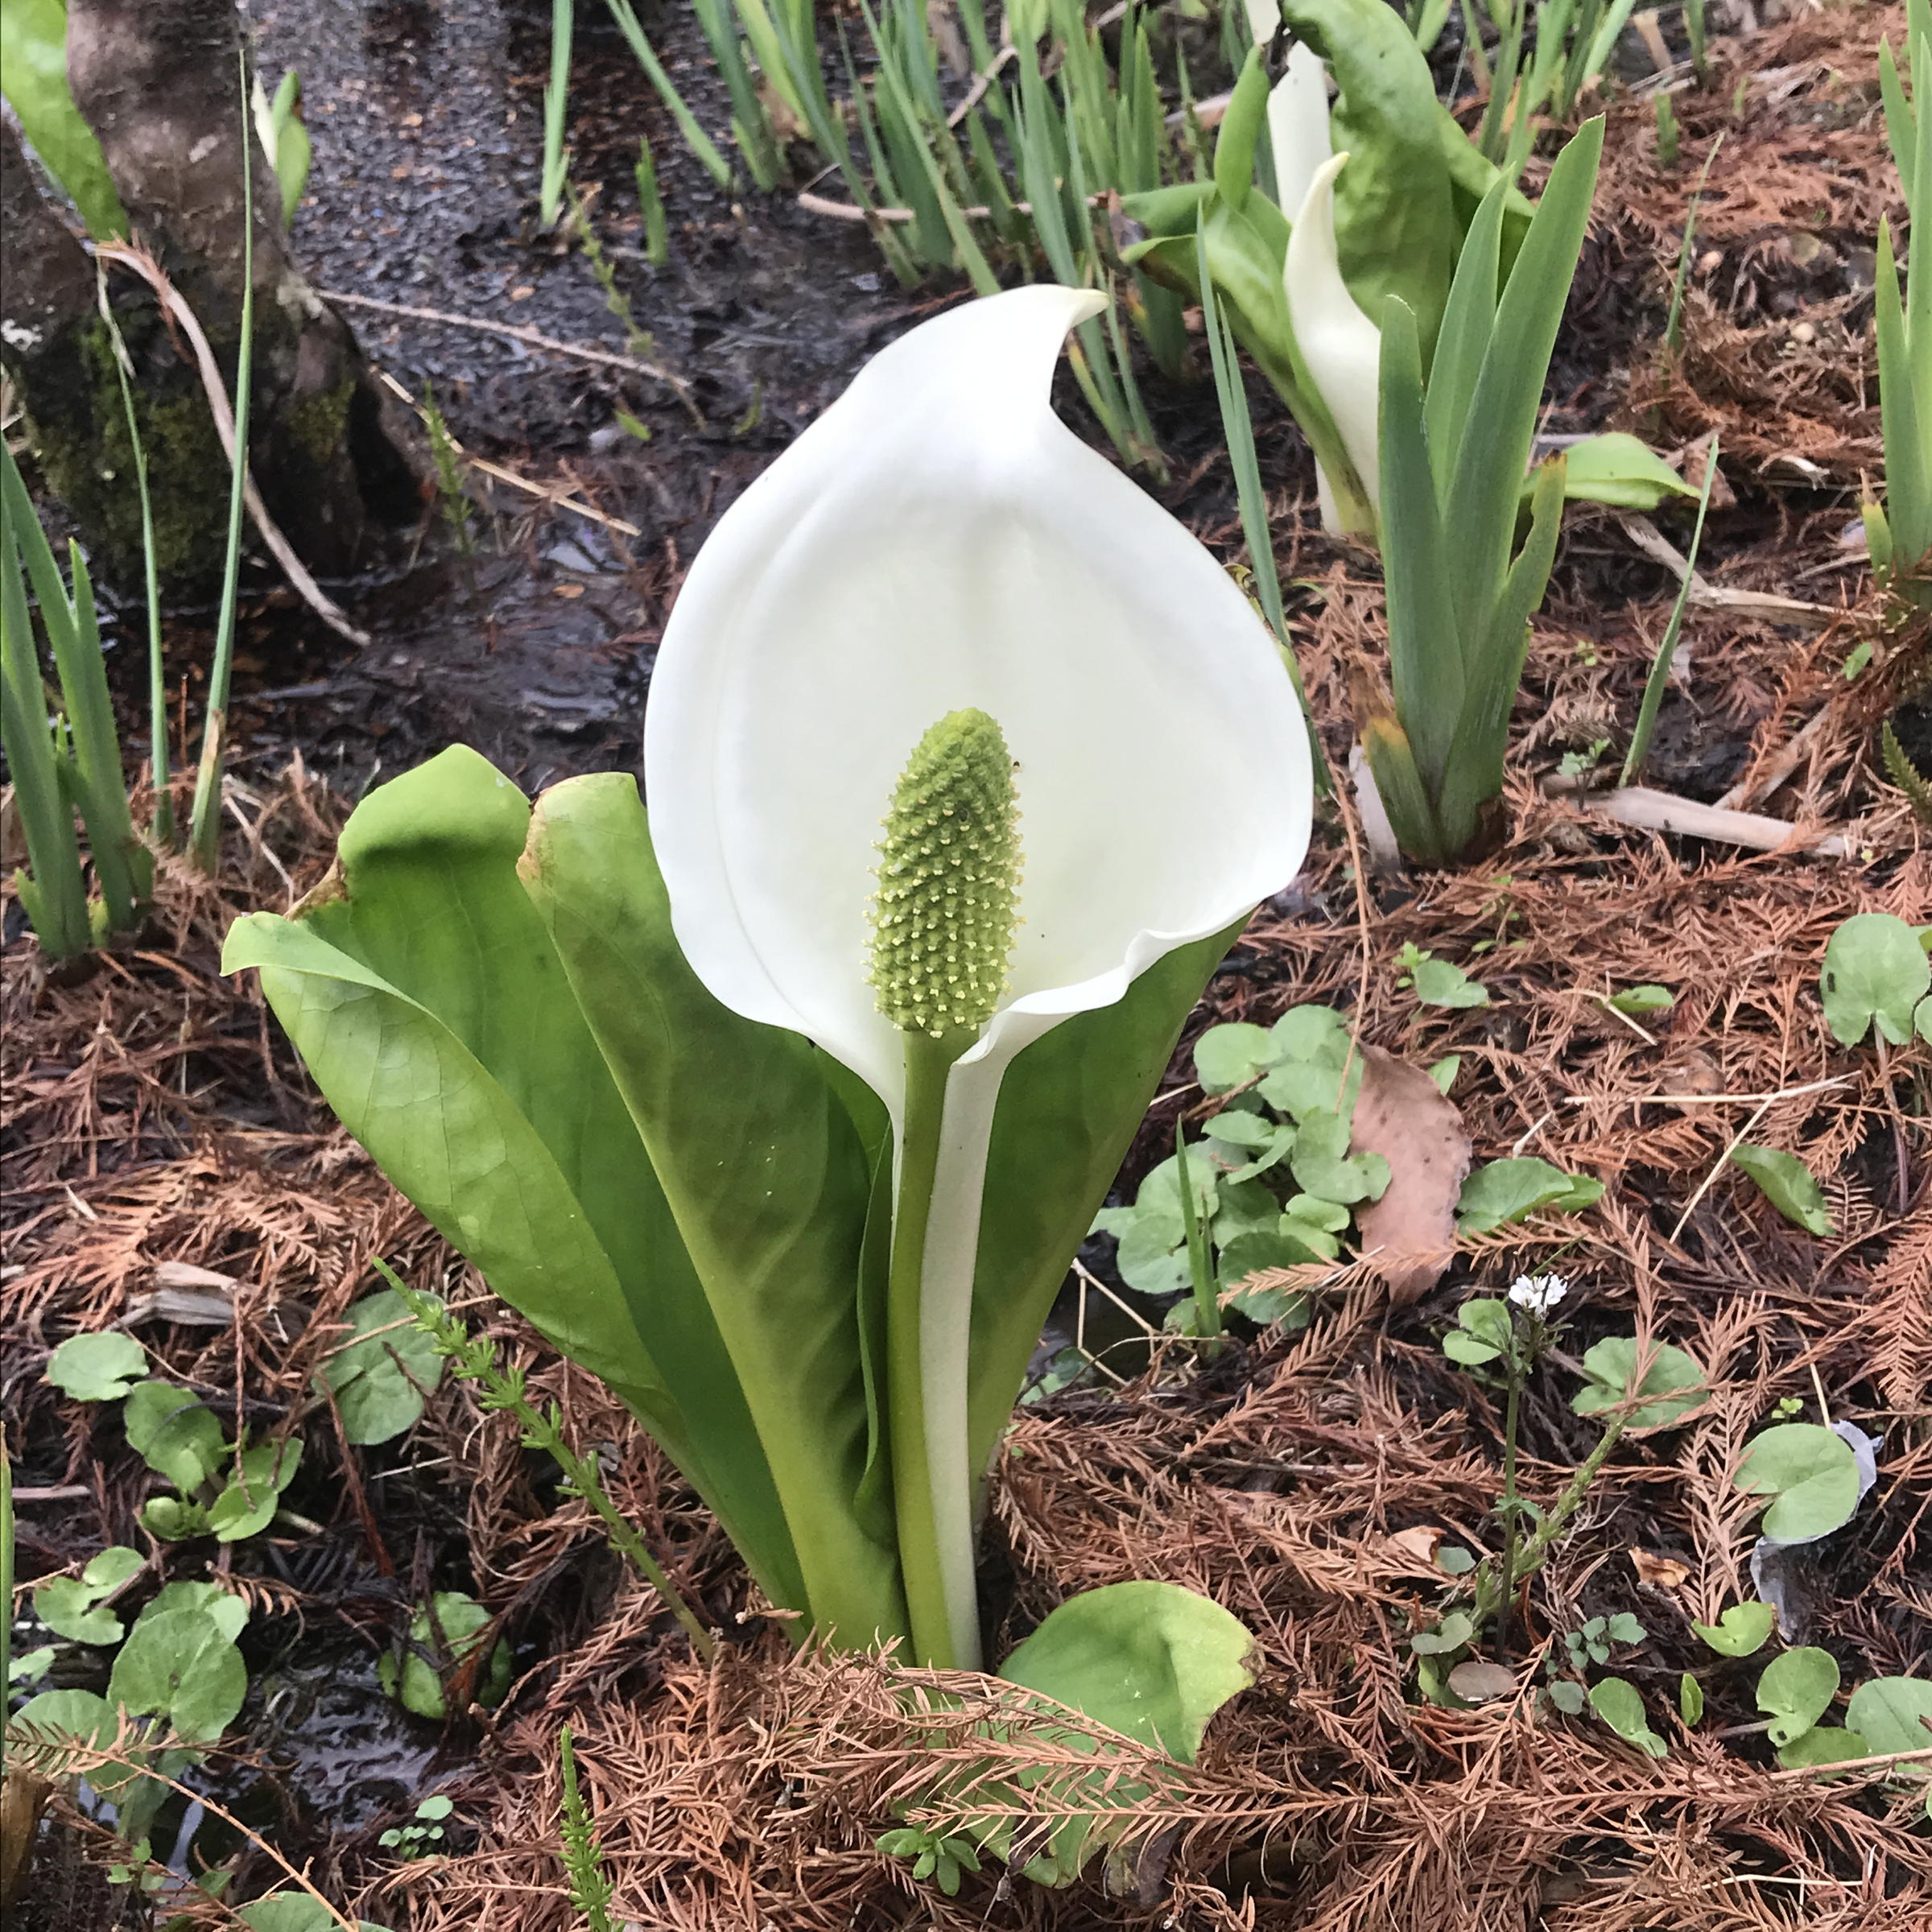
point(429, 1004)
point(1068, 1110)
point(766, 1175)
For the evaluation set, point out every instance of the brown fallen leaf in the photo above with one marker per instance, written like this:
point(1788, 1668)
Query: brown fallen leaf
point(1409, 1235)
point(1664, 1572)
point(1478, 1683)
point(1417, 1545)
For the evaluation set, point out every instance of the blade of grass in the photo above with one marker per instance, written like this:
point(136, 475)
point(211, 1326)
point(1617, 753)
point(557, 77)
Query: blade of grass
point(556, 99)
point(97, 780)
point(700, 143)
point(163, 828)
point(205, 818)
point(1426, 661)
point(1501, 419)
point(1908, 474)
point(750, 123)
point(1666, 651)
point(51, 887)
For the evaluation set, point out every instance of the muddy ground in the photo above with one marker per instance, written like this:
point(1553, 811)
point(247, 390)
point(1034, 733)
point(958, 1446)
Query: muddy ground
point(154, 1118)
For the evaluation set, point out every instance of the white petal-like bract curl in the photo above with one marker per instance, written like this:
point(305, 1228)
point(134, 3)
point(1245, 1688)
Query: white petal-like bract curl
point(938, 540)
point(1342, 348)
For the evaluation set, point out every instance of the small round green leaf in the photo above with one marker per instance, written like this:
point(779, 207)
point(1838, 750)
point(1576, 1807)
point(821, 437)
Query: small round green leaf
point(1874, 973)
point(1506, 1190)
point(1822, 1744)
point(183, 1666)
point(1796, 1691)
point(1739, 1631)
point(1811, 1472)
point(97, 1368)
point(1150, 1660)
point(1895, 1714)
point(1229, 1056)
point(1616, 1702)
point(382, 1374)
point(1673, 1384)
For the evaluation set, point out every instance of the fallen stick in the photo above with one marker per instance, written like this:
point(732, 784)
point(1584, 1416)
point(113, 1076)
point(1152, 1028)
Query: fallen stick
point(1648, 811)
point(177, 311)
point(1659, 548)
point(531, 338)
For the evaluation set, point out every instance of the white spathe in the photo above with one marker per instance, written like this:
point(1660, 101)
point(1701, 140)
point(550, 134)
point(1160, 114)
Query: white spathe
point(1298, 109)
point(1340, 346)
point(937, 540)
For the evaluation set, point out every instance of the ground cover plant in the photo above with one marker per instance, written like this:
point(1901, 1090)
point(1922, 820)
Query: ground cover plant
point(490, 1371)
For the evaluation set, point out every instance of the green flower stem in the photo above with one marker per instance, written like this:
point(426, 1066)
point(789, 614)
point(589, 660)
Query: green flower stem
point(1512, 1506)
point(1490, 1591)
point(915, 1478)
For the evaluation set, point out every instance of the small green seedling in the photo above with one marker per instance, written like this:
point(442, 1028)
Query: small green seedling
point(944, 1858)
point(1739, 1631)
point(414, 1839)
point(1438, 982)
point(1615, 1700)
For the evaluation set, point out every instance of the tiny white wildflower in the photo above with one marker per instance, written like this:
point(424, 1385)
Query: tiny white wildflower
point(1538, 1293)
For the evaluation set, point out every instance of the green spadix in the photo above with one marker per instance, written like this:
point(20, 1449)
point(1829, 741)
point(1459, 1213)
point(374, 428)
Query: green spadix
point(942, 922)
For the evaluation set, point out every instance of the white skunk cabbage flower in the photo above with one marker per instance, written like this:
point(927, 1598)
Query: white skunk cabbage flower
point(1298, 109)
point(940, 611)
point(1341, 347)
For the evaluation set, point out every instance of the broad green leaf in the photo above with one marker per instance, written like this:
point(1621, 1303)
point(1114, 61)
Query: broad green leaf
point(1796, 1691)
point(1509, 392)
point(247, 1505)
point(1426, 671)
point(1451, 1633)
point(183, 1666)
point(1810, 1471)
point(715, 1099)
point(1894, 1714)
point(1443, 983)
point(1822, 1744)
point(430, 1007)
point(1875, 973)
point(1395, 226)
point(1069, 1108)
point(1149, 1660)
point(81, 1715)
point(1505, 1191)
point(97, 1368)
point(1787, 1183)
point(1740, 1630)
point(295, 1912)
point(33, 59)
point(174, 1433)
point(1673, 1384)
point(1315, 1071)
point(1483, 1332)
point(1619, 469)
point(381, 1375)
point(1615, 1700)
point(1908, 467)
